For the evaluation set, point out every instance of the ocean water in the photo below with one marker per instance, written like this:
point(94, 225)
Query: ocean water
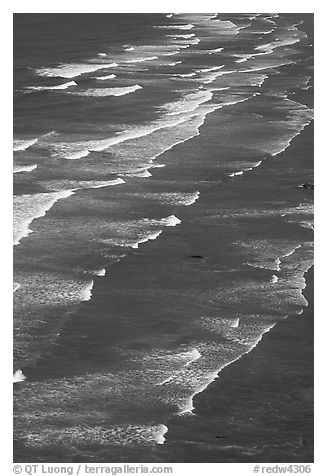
point(159, 230)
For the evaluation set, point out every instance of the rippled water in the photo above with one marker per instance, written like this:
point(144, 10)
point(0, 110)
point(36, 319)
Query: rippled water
point(158, 224)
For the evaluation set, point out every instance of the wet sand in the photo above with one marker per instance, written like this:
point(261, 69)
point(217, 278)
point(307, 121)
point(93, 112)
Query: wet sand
point(260, 409)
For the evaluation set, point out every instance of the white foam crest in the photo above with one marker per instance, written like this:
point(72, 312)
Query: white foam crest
point(106, 183)
point(277, 263)
point(253, 166)
point(67, 85)
point(65, 149)
point(213, 68)
point(169, 15)
point(222, 73)
point(259, 81)
point(100, 272)
point(189, 407)
point(183, 37)
point(141, 173)
point(18, 376)
point(172, 220)
point(16, 286)
point(73, 70)
point(232, 103)
point(23, 144)
point(236, 173)
point(176, 198)
point(188, 103)
point(194, 41)
point(103, 92)
point(289, 253)
point(188, 26)
point(267, 32)
point(29, 207)
point(141, 60)
point(159, 437)
point(209, 77)
point(174, 64)
point(171, 53)
point(197, 120)
point(24, 168)
point(150, 236)
point(307, 225)
point(262, 68)
point(270, 47)
point(191, 357)
point(192, 198)
point(274, 279)
point(227, 27)
point(104, 78)
point(220, 89)
point(186, 75)
point(235, 322)
point(102, 55)
point(302, 117)
point(243, 57)
point(87, 291)
point(86, 184)
point(216, 50)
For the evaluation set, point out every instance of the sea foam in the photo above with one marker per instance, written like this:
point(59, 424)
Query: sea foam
point(79, 150)
point(100, 272)
point(172, 220)
point(29, 207)
point(213, 68)
point(216, 50)
point(104, 78)
point(188, 406)
point(183, 37)
point(23, 144)
point(150, 236)
point(18, 376)
point(24, 168)
point(188, 103)
point(186, 75)
point(187, 26)
point(73, 70)
point(16, 287)
point(103, 92)
point(86, 292)
point(141, 60)
point(69, 84)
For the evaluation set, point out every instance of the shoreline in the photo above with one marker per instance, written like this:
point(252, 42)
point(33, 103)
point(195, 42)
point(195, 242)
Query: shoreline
point(264, 399)
point(234, 402)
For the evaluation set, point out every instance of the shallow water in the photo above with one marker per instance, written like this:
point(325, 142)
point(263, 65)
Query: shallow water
point(158, 229)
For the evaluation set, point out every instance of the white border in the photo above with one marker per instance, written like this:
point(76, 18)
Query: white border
point(204, 6)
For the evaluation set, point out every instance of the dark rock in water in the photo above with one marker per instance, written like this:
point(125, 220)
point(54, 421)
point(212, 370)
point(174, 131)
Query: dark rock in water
point(221, 436)
point(306, 185)
point(197, 256)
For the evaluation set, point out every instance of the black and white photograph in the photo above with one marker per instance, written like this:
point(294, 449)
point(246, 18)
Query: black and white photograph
point(163, 182)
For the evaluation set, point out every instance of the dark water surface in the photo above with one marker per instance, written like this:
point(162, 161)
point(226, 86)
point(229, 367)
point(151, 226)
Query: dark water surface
point(159, 232)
